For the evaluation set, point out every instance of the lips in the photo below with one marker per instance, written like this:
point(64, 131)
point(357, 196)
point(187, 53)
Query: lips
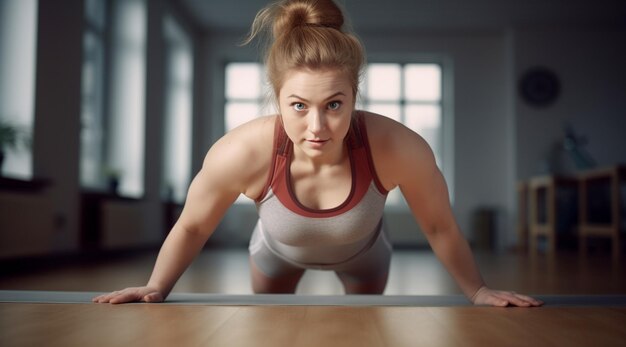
point(316, 143)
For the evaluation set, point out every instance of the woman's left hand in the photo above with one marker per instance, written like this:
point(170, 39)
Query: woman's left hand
point(486, 296)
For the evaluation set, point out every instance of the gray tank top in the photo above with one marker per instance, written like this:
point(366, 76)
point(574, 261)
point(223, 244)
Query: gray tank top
point(330, 236)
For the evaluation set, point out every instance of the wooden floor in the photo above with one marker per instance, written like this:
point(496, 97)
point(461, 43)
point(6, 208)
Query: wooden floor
point(293, 326)
point(412, 273)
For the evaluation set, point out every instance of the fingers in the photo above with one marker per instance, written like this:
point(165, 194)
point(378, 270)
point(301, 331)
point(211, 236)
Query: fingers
point(108, 298)
point(129, 295)
point(515, 299)
point(104, 298)
point(531, 301)
point(153, 297)
point(125, 296)
point(503, 298)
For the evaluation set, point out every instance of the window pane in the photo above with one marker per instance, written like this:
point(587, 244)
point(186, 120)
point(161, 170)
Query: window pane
point(178, 109)
point(390, 110)
point(238, 113)
point(18, 45)
point(95, 12)
point(383, 82)
point(426, 121)
point(243, 81)
point(422, 82)
point(91, 116)
point(126, 137)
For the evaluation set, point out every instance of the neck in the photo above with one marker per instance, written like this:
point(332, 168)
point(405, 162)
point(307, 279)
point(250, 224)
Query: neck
point(334, 157)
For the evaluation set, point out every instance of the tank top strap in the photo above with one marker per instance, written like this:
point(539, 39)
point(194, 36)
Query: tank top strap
point(281, 140)
point(358, 147)
point(354, 138)
point(361, 141)
point(280, 150)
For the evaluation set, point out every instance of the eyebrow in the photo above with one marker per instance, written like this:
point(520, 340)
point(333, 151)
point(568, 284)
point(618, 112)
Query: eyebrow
point(305, 100)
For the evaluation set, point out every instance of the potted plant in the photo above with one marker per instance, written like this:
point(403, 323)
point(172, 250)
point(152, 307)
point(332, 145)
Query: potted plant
point(112, 176)
point(12, 138)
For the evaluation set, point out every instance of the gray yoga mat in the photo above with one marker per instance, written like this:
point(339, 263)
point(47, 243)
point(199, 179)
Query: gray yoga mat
point(58, 297)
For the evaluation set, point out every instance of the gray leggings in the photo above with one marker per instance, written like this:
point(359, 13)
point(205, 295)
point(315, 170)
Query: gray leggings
point(370, 263)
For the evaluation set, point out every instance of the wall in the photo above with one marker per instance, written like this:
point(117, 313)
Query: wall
point(57, 115)
point(26, 224)
point(590, 64)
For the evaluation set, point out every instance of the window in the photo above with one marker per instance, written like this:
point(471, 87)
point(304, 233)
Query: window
point(178, 108)
point(18, 40)
point(126, 97)
point(246, 94)
point(409, 93)
point(92, 134)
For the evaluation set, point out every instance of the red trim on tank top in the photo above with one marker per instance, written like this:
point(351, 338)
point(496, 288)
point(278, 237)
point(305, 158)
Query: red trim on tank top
point(334, 210)
point(279, 179)
point(278, 139)
point(368, 150)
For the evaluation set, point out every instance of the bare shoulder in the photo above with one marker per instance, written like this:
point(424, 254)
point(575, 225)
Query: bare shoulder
point(243, 155)
point(396, 149)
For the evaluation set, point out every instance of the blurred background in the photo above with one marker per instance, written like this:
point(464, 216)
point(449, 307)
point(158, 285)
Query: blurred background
point(107, 109)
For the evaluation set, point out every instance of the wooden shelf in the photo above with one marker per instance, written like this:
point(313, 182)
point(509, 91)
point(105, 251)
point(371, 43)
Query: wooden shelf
point(34, 185)
point(552, 186)
point(614, 176)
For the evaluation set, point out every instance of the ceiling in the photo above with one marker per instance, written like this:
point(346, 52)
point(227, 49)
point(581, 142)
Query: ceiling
point(414, 15)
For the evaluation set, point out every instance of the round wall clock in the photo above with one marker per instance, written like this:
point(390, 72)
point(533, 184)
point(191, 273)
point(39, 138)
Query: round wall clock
point(539, 86)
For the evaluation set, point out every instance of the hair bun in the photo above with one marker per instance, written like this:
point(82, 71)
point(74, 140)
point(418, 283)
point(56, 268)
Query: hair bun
point(298, 13)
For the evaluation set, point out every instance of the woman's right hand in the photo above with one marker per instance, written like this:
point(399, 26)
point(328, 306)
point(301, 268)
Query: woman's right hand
point(133, 294)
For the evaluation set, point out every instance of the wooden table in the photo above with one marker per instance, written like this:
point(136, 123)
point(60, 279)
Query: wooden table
point(552, 186)
point(613, 177)
point(83, 324)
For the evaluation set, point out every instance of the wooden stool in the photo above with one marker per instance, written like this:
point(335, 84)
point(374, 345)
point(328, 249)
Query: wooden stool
point(612, 226)
point(553, 186)
point(522, 216)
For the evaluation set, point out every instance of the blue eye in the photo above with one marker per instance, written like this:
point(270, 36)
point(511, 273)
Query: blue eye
point(298, 106)
point(334, 105)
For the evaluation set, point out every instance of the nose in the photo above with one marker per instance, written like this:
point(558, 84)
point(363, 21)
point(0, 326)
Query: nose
point(317, 121)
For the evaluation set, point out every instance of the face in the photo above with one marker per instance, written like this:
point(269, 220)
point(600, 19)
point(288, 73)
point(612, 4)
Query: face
point(316, 108)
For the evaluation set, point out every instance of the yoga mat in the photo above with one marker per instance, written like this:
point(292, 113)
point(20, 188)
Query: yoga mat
point(59, 297)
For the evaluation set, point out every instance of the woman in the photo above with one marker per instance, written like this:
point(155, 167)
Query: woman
point(319, 172)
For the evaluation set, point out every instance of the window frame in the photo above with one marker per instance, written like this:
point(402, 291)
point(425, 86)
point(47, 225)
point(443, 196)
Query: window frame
point(103, 85)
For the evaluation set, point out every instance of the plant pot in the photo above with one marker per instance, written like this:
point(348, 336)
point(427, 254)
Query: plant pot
point(114, 184)
point(1, 161)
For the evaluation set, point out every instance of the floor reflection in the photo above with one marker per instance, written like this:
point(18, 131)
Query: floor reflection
point(413, 272)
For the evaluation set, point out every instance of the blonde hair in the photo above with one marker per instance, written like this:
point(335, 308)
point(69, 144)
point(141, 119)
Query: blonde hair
point(307, 34)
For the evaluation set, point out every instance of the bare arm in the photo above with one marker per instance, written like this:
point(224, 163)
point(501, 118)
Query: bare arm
point(207, 201)
point(424, 188)
point(230, 168)
point(410, 165)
